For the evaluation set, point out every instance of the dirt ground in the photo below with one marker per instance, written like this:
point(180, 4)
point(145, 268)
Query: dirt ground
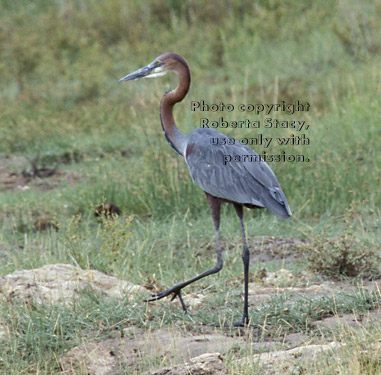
point(19, 173)
point(176, 350)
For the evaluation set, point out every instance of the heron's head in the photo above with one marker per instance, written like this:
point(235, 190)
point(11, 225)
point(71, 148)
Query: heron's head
point(160, 66)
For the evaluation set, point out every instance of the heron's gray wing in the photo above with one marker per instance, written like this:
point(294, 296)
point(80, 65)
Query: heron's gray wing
point(245, 179)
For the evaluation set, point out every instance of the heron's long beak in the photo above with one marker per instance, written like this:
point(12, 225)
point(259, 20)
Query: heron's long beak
point(152, 70)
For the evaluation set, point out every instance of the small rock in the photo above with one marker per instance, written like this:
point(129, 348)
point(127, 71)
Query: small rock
point(279, 278)
point(107, 209)
point(204, 364)
point(43, 223)
point(194, 300)
point(296, 338)
point(262, 274)
point(283, 361)
point(349, 320)
point(4, 331)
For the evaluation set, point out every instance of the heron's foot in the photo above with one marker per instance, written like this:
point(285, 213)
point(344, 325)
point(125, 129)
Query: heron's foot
point(176, 291)
point(245, 322)
point(241, 324)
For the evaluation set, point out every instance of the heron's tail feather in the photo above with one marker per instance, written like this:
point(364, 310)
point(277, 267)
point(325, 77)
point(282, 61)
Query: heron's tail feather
point(276, 202)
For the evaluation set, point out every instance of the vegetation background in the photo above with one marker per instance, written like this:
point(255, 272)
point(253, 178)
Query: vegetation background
point(61, 107)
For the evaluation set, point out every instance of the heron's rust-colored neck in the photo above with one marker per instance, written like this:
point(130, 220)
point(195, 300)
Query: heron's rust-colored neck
point(174, 136)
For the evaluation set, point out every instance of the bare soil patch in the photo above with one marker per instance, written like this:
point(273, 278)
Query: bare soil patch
point(264, 249)
point(168, 346)
point(31, 176)
point(349, 320)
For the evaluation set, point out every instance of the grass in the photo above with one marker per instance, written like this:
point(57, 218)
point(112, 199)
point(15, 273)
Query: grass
point(62, 107)
point(358, 356)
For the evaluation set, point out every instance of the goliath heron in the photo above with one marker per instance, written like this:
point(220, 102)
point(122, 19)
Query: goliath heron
point(245, 183)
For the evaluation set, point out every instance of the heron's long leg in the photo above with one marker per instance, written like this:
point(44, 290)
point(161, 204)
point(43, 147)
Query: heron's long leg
point(246, 261)
point(215, 208)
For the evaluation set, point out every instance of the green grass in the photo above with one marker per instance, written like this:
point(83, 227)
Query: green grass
point(61, 106)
